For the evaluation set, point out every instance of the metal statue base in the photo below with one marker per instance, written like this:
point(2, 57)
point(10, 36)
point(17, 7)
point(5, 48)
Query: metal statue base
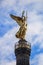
point(22, 52)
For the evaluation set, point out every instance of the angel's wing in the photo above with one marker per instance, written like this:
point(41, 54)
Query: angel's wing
point(19, 20)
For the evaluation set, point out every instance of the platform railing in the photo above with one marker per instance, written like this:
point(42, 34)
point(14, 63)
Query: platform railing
point(22, 45)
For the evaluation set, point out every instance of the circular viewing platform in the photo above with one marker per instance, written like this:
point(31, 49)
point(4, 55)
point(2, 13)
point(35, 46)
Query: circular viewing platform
point(22, 43)
point(22, 47)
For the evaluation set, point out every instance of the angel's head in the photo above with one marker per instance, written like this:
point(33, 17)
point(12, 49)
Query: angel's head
point(24, 18)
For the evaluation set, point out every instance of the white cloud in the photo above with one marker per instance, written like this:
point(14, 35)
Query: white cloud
point(38, 60)
point(8, 63)
point(39, 6)
point(6, 3)
point(35, 27)
point(7, 43)
point(20, 5)
point(11, 63)
point(25, 2)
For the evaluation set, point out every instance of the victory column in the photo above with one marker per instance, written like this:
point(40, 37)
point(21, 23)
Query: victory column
point(22, 47)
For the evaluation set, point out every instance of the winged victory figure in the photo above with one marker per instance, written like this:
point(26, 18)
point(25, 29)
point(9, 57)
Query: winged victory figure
point(22, 23)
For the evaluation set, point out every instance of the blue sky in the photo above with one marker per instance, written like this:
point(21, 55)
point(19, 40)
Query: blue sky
point(8, 28)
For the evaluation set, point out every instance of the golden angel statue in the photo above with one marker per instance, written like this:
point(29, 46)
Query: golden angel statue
point(22, 23)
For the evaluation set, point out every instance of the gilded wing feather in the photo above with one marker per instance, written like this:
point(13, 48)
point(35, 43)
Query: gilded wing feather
point(19, 20)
